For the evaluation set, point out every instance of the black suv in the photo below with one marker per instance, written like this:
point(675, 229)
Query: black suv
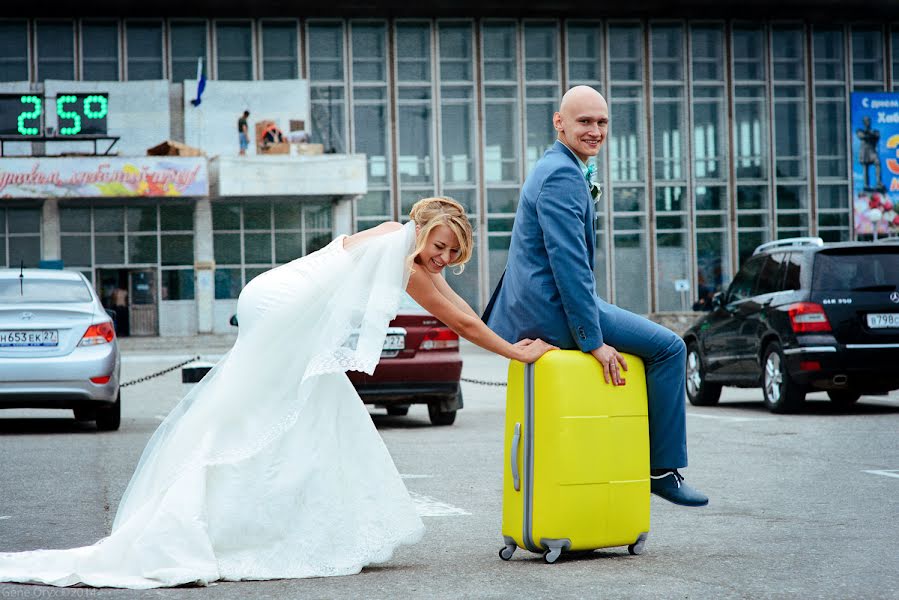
point(801, 316)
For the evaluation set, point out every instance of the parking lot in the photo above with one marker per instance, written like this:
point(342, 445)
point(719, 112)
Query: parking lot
point(801, 505)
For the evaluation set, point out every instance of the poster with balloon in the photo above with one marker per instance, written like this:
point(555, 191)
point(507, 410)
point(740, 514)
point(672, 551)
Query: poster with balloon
point(875, 162)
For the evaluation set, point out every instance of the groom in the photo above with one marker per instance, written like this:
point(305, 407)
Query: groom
point(548, 290)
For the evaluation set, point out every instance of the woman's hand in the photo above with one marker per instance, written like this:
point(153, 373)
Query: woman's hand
point(530, 350)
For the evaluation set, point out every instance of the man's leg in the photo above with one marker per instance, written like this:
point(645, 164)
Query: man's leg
point(664, 356)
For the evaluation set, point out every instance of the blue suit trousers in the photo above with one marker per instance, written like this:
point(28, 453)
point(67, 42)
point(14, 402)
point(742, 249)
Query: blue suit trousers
point(664, 356)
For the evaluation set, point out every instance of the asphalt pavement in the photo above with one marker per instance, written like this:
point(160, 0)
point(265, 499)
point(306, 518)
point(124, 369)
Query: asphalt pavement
point(802, 506)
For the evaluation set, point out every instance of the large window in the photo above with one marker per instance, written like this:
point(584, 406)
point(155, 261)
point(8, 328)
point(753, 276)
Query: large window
point(585, 59)
point(669, 155)
point(371, 114)
point(279, 50)
point(234, 50)
point(790, 137)
point(138, 235)
point(502, 139)
point(20, 237)
point(251, 237)
point(188, 43)
point(99, 51)
point(627, 166)
point(144, 50)
point(415, 113)
point(831, 146)
point(55, 50)
point(13, 51)
point(750, 132)
point(458, 127)
point(327, 74)
point(710, 169)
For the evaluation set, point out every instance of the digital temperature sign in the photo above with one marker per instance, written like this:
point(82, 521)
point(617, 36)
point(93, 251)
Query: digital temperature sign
point(22, 115)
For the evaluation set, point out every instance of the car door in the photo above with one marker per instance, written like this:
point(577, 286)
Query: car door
point(722, 338)
point(753, 314)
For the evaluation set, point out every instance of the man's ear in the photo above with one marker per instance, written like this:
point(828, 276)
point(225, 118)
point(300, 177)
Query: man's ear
point(557, 121)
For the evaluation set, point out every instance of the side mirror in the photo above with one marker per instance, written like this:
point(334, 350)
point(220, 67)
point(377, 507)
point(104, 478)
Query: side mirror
point(717, 300)
point(233, 320)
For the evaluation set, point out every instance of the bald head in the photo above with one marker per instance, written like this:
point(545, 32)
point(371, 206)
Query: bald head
point(582, 121)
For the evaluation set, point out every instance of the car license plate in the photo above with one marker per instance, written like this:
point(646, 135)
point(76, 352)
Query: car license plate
point(883, 320)
point(34, 337)
point(394, 342)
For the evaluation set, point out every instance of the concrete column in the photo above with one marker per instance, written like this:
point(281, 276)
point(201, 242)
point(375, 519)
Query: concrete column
point(204, 265)
point(50, 244)
point(342, 214)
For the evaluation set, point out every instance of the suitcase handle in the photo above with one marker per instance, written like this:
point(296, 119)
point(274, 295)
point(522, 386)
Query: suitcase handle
point(516, 440)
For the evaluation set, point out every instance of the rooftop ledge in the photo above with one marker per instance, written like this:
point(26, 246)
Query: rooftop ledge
point(288, 175)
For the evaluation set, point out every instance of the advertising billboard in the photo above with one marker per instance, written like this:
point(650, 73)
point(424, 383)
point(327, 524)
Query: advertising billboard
point(875, 162)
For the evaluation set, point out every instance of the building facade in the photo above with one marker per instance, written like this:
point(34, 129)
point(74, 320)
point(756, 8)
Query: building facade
point(725, 132)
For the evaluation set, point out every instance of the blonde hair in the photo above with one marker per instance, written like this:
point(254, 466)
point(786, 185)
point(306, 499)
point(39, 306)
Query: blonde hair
point(428, 213)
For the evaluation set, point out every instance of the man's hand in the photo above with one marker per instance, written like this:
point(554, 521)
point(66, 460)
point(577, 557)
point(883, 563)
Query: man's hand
point(610, 358)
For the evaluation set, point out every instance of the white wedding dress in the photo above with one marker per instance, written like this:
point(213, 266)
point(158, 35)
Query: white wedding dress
point(271, 467)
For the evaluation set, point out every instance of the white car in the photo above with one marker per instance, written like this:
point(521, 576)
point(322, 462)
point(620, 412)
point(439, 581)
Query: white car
point(57, 346)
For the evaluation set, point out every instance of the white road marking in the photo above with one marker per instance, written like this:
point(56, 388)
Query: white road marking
point(6, 517)
point(885, 473)
point(405, 476)
point(729, 419)
point(429, 507)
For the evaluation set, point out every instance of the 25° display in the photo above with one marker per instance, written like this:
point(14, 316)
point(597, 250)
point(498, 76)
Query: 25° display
point(22, 115)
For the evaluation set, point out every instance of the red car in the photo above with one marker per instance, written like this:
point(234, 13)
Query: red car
point(420, 364)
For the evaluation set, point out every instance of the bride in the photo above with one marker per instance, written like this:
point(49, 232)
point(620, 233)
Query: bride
point(271, 467)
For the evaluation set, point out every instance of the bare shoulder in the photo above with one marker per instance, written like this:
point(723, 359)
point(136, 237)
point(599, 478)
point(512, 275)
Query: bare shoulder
point(382, 229)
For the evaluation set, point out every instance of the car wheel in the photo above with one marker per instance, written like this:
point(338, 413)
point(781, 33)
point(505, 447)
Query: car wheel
point(397, 411)
point(699, 391)
point(843, 398)
point(109, 419)
point(440, 418)
point(782, 394)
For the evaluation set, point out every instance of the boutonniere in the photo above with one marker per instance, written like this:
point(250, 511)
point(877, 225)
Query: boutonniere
point(595, 190)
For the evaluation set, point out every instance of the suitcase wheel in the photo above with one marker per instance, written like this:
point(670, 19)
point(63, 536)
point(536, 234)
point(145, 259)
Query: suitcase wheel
point(552, 555)
point(507, 551)
point(637, 547)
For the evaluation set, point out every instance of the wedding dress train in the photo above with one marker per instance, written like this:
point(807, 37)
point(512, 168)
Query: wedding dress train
point(270, 467)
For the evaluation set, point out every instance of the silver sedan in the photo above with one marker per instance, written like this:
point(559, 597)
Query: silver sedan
point(57, 346)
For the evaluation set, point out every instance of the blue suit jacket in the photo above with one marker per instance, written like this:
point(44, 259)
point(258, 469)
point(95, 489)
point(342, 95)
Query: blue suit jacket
point(548, 290)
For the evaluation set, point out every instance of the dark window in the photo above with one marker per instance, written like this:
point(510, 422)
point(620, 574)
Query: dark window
point(100, 51)
point(793, 268)
point(771, 278)
point(13, 51)
point(744, 282)
point(144, 51)
point(857, 271)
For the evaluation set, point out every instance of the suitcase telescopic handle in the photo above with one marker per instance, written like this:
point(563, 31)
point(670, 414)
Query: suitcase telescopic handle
point(516, 441)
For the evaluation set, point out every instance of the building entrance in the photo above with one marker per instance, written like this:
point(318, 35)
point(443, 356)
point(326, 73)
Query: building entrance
point(131, 294)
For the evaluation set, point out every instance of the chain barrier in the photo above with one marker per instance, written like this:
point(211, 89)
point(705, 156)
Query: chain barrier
point(160, 373)
point(190, 360)
point(484, 382)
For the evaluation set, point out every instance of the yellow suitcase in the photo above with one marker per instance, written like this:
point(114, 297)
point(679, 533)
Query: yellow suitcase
point(576, 474)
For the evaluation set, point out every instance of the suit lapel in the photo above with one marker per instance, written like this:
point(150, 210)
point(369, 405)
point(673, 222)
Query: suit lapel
point(590, 225)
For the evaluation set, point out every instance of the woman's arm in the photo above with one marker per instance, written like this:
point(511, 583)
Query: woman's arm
point(450, 294)
point(422, 289)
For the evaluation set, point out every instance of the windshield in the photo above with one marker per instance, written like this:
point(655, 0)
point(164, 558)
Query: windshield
point(30, 290)
point(857, 271)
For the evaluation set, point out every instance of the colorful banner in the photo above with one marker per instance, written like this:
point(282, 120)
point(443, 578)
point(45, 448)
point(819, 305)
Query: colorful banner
point(875, 162)
point(101, 176)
